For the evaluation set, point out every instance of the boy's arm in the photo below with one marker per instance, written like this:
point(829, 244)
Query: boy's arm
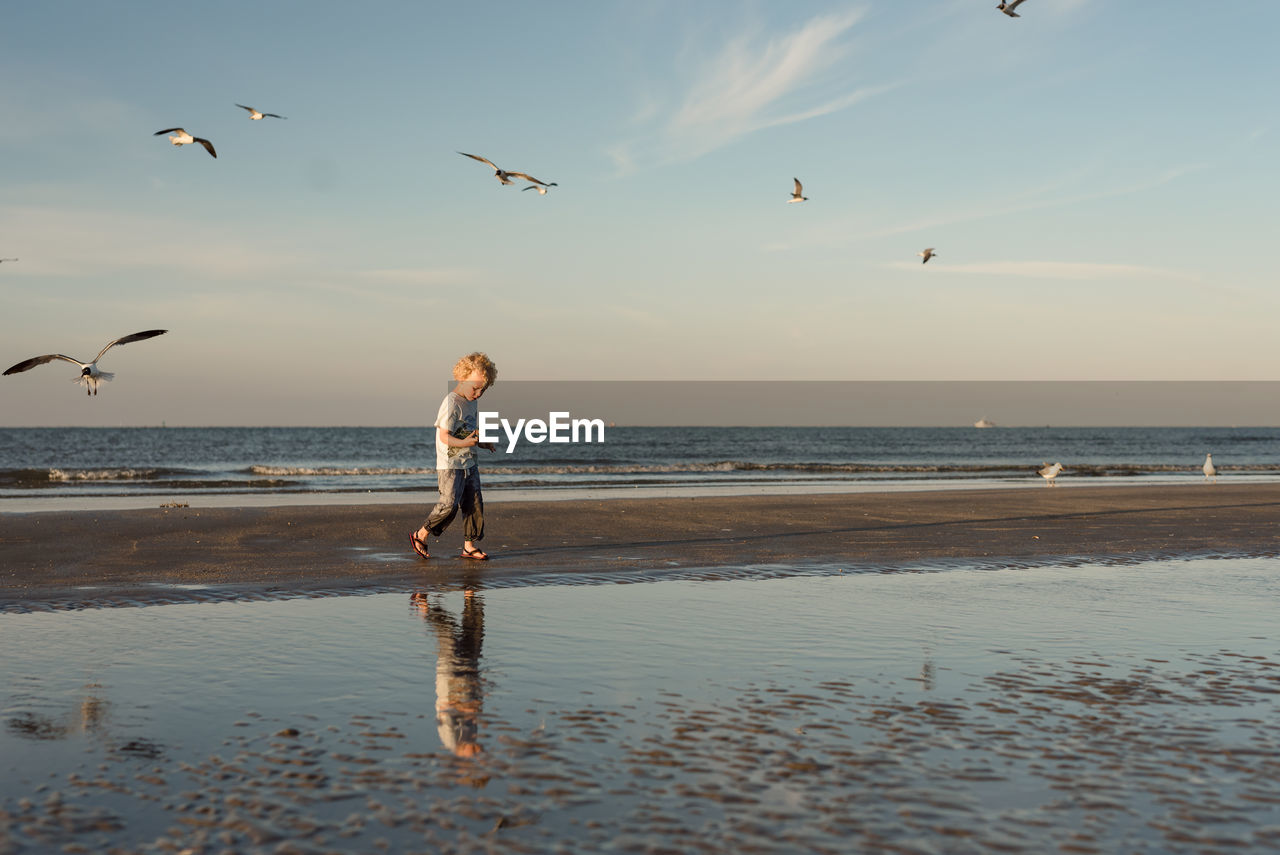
point(453, 442)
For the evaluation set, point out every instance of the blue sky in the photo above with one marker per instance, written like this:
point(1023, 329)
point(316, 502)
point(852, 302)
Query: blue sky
point(1098, 178)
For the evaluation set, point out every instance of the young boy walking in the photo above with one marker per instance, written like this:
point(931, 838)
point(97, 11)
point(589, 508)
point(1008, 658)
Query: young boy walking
point(457, 435)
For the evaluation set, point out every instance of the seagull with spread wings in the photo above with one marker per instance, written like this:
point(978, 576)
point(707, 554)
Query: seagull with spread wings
point(797, 194)
point(534, 184)
point(256, 115)
point(926, 254)
point(3, 260)
point(501, 174)
point(90, 374)
point(1008, 7)
point(181, 137)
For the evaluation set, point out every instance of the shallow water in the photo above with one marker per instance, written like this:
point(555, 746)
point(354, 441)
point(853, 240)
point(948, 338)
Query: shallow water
point(1089, 709)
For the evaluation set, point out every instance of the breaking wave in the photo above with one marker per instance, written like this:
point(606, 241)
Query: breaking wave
point(729, 466)
point(333, 471)
point(130, 480)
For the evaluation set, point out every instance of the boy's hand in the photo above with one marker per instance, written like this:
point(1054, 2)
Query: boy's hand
point(474, 436)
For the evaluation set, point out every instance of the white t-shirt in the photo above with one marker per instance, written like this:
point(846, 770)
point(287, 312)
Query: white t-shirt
point(459, 418)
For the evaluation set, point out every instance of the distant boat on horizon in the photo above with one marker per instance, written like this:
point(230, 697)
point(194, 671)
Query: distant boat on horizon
point(984, 423)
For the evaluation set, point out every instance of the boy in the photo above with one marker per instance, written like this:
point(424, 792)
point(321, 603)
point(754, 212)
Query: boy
point(457, 435)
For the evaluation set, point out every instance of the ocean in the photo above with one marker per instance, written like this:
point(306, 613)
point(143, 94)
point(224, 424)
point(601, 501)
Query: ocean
point(265, 461)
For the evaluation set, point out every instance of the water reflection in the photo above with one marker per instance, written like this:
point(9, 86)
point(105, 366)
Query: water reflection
point(90, 716)
point(459, 692)
point(1020, 718)
point(928, 674)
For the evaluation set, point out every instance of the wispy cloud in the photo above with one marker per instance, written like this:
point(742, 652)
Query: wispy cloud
point(1087, 271)
point(1077, 270)
point(58, 241)
point(88, 245)
point(419, 275)
point(1057, 193)
point(406, 286)
point(57, 107)
point(1049, 197)
point(749, 84)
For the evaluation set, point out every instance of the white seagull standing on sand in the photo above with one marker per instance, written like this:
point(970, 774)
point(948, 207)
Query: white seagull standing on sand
point(181, 137)
point(1210, 471)
point(1049, 473)
point(926, 254)
point(255, 115)
point(1008, 7)
point(797, 194)
point(90, 375)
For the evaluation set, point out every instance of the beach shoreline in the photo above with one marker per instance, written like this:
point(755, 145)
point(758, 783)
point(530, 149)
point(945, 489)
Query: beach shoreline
point(131, 500)
point(130, 557)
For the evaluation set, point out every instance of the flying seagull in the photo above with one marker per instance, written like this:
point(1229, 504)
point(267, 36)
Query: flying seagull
point(534, 184)
point(3, 260)
point(501, 175)
point(1049, 473)
point(926, 254)
point(796, 194)
point(1210, 471)
point(1008, 7)
point(255, 115)
point(181, 137)
point(90, 375)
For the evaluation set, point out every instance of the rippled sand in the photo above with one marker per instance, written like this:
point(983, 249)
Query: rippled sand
point(1077, 757)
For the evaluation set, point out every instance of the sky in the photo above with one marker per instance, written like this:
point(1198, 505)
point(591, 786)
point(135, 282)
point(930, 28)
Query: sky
point(1098, 178)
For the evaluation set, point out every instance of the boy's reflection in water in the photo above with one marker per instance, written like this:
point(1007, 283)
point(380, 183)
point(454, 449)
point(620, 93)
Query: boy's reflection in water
point(459, 695)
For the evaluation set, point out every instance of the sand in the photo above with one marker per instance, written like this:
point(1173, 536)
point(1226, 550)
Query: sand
point(97, 557)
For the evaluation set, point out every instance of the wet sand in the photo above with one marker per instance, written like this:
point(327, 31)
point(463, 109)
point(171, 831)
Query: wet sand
point(156, 554)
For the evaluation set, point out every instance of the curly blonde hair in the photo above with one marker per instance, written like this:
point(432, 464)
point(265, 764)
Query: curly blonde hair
point(476, 362)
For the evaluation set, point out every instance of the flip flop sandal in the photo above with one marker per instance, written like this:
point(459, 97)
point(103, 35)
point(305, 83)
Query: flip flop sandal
point(418, 546)
point(475, 554)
